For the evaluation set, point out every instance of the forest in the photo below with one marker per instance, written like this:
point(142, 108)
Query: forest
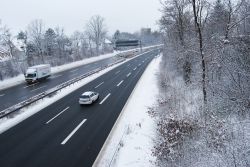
point(202, 112)
point(40, 44)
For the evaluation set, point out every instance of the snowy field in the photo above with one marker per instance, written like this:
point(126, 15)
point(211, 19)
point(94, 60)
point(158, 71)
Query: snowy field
point(131, 139)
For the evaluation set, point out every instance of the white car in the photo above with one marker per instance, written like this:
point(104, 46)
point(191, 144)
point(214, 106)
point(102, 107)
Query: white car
point(88, 97)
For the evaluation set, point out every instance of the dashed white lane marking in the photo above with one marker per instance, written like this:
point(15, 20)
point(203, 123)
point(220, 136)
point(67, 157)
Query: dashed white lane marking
point(55, 76)
point(117, 72)
point(2, 95)
point(74, 70)
point(99, 85)
point(134, 68)
point(105, 98)
point(128, 74)
point(30, 85)
point(128, 65)
point(73, 132)
point(57, 115)
point(119, 83)
point(38, 88)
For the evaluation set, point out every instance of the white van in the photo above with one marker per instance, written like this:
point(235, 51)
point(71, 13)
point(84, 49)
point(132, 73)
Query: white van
point(38, 72)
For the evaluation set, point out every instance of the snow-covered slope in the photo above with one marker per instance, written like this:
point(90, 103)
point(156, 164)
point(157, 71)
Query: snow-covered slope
point(131, 139)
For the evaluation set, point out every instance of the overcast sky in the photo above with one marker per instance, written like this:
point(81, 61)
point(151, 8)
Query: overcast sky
point(125, 15)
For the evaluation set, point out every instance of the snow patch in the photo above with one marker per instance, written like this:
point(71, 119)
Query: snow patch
point(131, 139)
point(7, 123)
point(7, 83)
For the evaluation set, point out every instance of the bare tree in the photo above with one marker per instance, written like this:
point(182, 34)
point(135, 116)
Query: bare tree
point(76, 44)
point(6, 39)
point(226, 96)
point(35, 32)
point(96, 31)
point(175, 16)
point(244, 12)
point(198, 6)
point(63, 44)
point(232, 19)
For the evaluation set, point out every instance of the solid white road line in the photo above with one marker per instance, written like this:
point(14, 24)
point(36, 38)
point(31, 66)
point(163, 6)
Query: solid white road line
point(30, 85)
point(128, 74)
point(55, 76)
point(2, 95)
point(38, 88)
point(119, 83)
point(99, 85)
point(117, 72)
point(57, 115)
point(73, 132)
point(134, 68)
point(74, 70)
point(105, 99)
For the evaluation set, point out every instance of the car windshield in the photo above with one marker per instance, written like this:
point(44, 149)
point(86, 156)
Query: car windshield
point(31, 75)
point(84, 96)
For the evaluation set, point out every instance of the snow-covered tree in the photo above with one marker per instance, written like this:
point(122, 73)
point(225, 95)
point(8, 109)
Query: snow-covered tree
point(35, 33)
point(217, 21)
point(96, 31)
point(50, 42)
point(217, 45)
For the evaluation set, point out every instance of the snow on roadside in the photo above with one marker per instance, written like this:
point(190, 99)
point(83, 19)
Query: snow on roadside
point(7, 123)
point(12, 81)
point(20, 78)
point(131, 139)
point(64, 67)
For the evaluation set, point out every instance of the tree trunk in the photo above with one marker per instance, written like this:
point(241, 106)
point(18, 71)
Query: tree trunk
point(198, 28)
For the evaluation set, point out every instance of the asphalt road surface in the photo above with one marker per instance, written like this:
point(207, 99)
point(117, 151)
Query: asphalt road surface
point(21, 92)
point(66, 134)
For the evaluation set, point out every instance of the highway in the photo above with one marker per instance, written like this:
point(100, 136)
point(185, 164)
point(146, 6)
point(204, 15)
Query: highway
point(66, 134)
point(21, 92)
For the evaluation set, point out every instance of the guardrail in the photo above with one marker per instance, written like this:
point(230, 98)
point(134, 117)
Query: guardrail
point(42, 95)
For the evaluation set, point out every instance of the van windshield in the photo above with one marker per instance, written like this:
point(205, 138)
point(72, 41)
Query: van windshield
point(31, 75)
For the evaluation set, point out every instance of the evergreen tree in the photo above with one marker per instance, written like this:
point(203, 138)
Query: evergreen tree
point(218, 19)
point(50, 41)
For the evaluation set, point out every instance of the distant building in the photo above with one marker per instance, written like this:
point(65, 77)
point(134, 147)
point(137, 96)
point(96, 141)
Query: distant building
point(145, 31)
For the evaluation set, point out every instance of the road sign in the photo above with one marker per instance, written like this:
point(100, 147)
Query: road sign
point(125, 43)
